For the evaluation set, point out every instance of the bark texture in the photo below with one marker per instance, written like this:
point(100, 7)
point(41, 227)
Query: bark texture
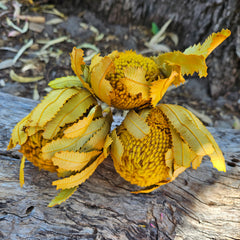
point(202, 204)
point(193, 21)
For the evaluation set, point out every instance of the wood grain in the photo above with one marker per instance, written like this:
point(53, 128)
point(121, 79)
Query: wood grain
point(202, 204)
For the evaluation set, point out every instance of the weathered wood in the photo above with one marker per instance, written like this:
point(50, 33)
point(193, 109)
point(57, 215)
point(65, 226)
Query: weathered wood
point(192, 21)
point(202, 204)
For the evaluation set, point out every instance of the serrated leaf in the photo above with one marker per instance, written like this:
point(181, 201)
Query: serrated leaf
point(62, 196)
point(70, 112)
point(136, 125)
point(71, 144)
point(194, 137)
point(65, 82)
point(77, 129)
point(107, 144)
point(100, 85)
point(214, 40)
point(216, 157)
point(136, 82)
point(78, 178)
point(73, 161)
point(19, 136)
point(117, 148)
point(50, 105)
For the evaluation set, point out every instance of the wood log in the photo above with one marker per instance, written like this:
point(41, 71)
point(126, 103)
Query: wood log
point(192, 21)
point(201, 204)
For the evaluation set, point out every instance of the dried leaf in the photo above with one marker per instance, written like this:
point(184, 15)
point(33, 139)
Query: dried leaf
point(72, 110)
point(117, 148)
point(50, 105)
point(21, 172)
point(35, 93)
point(21, 79)
point(136, 125)
point(73, 161)
point(78, 178)
point(62, 196)
point(54, 21)
point(35, 19)
point(184, 125)
point(21, 30)
point(65, 82)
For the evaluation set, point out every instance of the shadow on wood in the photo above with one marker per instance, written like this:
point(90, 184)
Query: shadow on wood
point(202, 204)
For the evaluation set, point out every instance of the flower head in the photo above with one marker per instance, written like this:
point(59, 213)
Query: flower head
point(152, 147)
point(66, 133)
point(127, 80)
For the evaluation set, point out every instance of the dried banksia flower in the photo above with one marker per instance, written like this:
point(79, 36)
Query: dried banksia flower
point(127, 80)
point(152, 147)
point(65, 133)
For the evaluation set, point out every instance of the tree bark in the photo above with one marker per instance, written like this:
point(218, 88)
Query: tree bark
point(192, 21)
point(202, 204)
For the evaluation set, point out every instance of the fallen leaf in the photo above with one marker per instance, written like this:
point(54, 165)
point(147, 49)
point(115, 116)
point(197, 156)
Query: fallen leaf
point(21, 79)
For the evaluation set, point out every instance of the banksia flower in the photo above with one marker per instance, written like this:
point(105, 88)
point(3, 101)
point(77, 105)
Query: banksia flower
point(127, 80)
point(152, 147)
point(66, 133)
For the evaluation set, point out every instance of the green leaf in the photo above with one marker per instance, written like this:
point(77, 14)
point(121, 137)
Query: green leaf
point(62, 196)
point(155, 28)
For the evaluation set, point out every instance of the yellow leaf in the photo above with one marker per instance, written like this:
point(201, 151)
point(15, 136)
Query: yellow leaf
point(107, 144)
point(21, 79)
point(50, 105)
point(100, 85)
point(78, 178)
point(73, 161)
point(62, 196)
point(117, 148)
point(71, 144)
point(21, 171)
point(216, 157)
point(136, 125)
point(196, 162)
point(19, 135)
point(77, 62)
point(70, 112)
point(158, 88)
point(209, 44)
point(98, 139)
point(181, 151)
point(65, 82)
point(135, 81)
point(194, 137)
point(188, 63)
point(77, 129)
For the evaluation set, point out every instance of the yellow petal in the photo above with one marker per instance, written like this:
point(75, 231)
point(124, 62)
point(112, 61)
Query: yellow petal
point(65, 82)
point(71, 144)
point(78, 178)
point(62, 196)
point(100, 85)
point(70, 112)
point(116, 147)
point(19, 135)
point(136, 125)
point(21, 171)
point(158, 88)
point(135, 81)
point(216, 157)
point(50, 105)
point(77, 129)
point(195, 138)
point(73, 161)
point(209, 45)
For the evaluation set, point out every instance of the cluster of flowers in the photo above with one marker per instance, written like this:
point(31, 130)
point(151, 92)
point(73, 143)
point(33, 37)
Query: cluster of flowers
point(69, 132)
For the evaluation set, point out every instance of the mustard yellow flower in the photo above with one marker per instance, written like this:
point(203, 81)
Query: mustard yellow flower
point(128, 80)
point(66, 133)
point(153, 146)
